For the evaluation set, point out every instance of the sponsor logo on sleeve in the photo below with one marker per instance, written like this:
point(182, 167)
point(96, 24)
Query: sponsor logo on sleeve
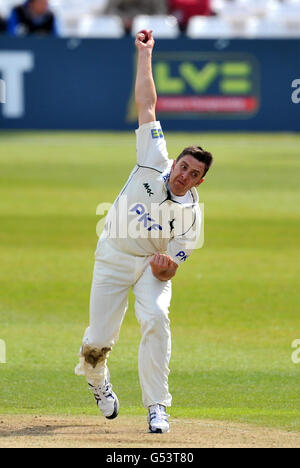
point(166, 177)
point(157, 133)
point(182, 255)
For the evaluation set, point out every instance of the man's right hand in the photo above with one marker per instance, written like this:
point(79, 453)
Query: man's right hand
point(144, 45)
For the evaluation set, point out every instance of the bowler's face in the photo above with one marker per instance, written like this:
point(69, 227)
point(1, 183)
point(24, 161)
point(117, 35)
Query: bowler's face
point(185, 174)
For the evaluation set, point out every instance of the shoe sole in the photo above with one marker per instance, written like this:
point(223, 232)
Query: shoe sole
point(157, 431)
point(116, 410)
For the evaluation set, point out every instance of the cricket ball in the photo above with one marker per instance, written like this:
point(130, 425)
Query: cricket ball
point(146, 34)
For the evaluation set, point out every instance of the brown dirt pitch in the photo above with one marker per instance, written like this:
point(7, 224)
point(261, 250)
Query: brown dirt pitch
point(28, 431)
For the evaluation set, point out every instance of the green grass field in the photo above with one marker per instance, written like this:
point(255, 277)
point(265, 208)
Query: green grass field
point(235, 309)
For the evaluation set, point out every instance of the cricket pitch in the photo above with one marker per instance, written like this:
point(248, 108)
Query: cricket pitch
point(27, 431)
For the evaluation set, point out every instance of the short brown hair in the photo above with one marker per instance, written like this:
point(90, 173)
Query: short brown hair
point(200, 154)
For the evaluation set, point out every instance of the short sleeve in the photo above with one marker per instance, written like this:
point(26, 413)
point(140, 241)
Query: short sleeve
point(151, 146)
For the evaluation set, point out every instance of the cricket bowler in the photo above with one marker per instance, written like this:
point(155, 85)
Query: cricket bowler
point(150, 231)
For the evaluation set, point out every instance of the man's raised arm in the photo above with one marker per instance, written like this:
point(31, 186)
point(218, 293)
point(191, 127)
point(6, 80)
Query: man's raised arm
point(145, 92)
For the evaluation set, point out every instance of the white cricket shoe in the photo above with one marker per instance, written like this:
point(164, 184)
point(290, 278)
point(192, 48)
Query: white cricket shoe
point(107, 400)
point(158, 419)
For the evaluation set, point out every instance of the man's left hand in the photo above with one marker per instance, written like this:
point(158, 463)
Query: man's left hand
point(163, 267)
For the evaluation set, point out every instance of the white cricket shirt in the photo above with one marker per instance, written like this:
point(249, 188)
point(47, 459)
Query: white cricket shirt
point(146, 217)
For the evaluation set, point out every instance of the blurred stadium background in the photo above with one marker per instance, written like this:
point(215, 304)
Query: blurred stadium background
point(231, 18)
point(233, 69)
point(228, 81)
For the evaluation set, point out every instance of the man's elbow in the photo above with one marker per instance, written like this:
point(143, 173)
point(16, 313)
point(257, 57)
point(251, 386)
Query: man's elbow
point(146, 105)
point(146, 115)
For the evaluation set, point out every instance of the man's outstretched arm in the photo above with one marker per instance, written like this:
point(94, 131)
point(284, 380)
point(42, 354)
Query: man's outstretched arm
point(145, 92)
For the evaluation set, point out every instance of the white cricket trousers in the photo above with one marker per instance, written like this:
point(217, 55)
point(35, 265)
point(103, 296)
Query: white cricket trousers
point(114, 273)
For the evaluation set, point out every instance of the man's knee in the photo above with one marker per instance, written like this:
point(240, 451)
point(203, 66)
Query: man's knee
point(157, 320)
